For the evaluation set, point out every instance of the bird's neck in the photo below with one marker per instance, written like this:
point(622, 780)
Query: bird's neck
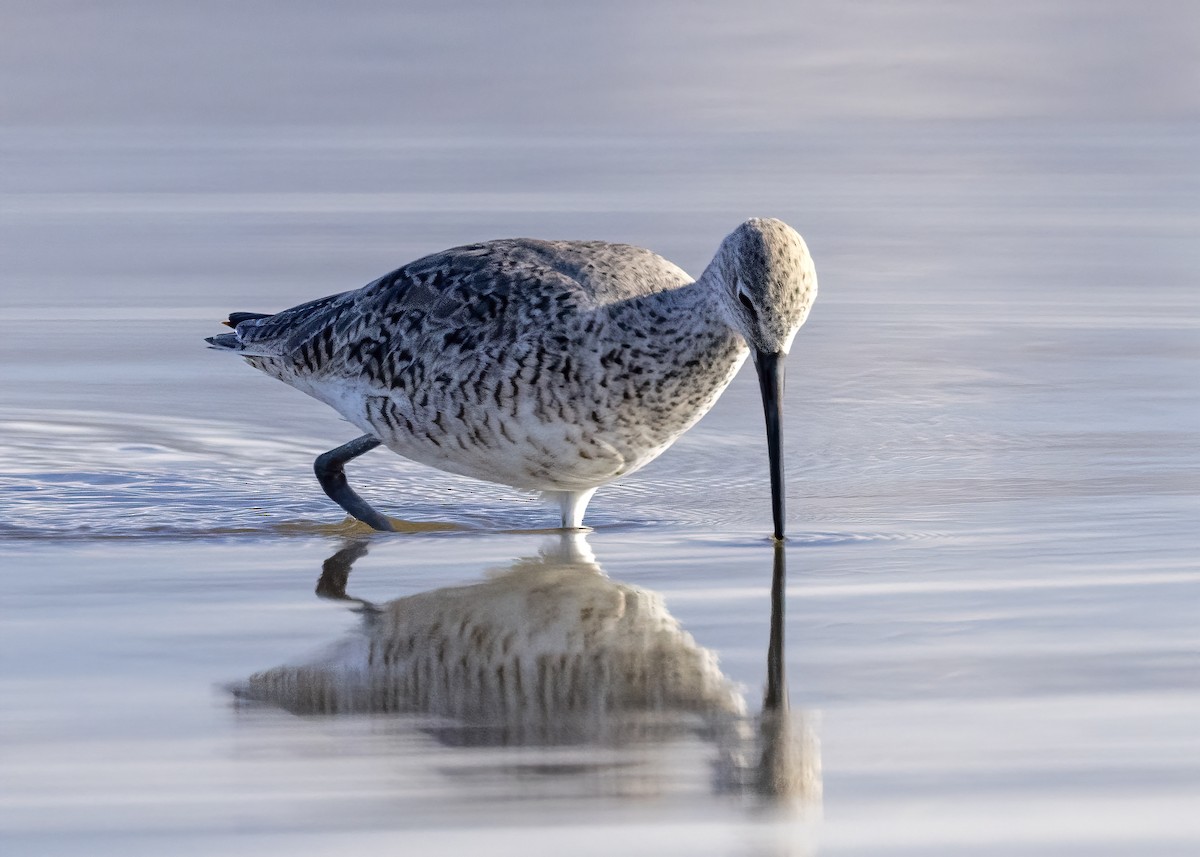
point(702, 301)
point(689, 324)
point(709, 290)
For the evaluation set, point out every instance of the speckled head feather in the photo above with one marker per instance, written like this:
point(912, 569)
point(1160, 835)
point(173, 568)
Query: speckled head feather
point(769, 280)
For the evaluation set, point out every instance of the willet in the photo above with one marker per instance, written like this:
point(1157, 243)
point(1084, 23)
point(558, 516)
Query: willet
point(555, 366)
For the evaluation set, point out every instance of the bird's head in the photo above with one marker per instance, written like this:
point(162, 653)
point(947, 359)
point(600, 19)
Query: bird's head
point(769, 283)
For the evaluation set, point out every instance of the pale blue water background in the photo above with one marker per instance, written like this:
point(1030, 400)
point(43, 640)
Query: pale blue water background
point(993, 423)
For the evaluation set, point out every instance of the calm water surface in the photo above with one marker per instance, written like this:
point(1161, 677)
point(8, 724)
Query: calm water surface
point(992, 624)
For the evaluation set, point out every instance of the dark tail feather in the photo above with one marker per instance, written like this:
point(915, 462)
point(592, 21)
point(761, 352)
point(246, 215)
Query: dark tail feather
point(232, 341)
point(236, 318)
point(273, 335)
point(224, 340)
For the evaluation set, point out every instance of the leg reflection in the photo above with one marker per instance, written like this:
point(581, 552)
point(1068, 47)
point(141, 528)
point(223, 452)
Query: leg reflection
point(335, 571)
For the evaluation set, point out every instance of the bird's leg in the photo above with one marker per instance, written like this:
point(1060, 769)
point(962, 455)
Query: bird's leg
point(573, 504)
point(332, 477)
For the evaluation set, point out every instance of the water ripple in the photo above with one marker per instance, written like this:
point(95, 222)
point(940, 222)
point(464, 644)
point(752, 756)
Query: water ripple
point(74, 474)
point(96, 475)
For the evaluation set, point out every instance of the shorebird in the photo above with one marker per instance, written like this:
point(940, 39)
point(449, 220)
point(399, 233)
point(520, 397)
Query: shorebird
point(554, 366)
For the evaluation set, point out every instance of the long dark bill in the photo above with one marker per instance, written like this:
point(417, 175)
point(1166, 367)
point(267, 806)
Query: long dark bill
point(770, 381)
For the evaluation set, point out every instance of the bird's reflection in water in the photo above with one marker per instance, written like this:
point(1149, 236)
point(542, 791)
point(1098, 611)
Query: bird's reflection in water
point(552, 652)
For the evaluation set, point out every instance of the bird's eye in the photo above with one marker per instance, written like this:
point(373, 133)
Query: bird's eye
point(747, 303)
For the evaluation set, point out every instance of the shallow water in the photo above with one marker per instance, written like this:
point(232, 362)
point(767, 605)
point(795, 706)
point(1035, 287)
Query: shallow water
point(992, 635)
